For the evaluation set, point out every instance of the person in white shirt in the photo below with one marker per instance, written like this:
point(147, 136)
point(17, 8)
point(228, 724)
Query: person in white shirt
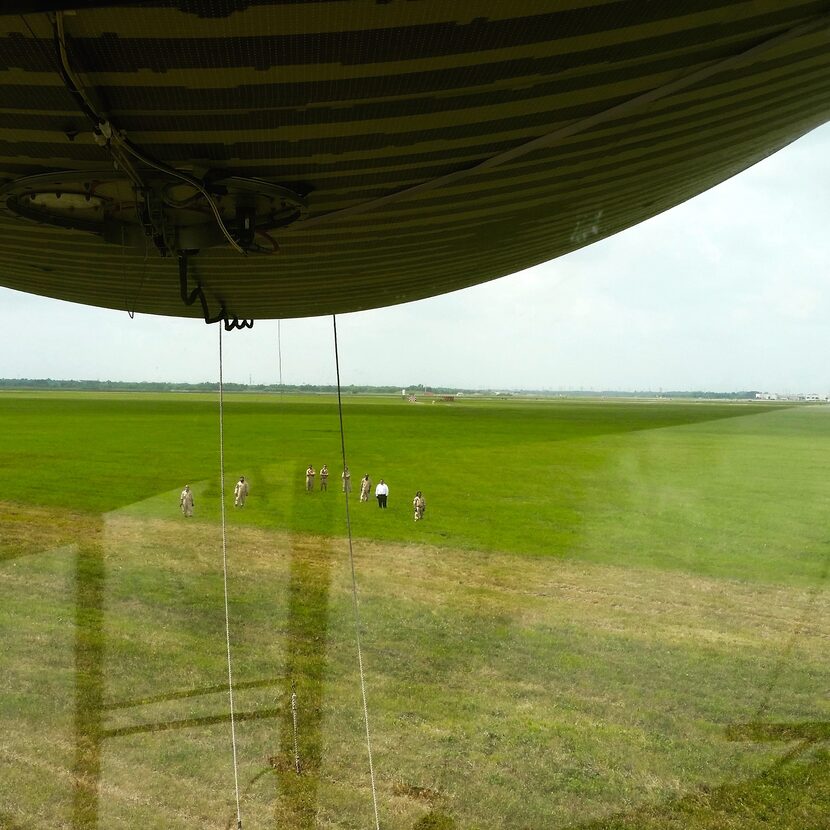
point(382, 491)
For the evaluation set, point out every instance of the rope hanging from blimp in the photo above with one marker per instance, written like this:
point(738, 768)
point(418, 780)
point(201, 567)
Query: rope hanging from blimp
point(355, 603)
point(225, 578)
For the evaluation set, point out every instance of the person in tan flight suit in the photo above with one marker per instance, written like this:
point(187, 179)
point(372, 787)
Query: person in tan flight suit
point(420, 505)
point(240, 492)
point(186, 501)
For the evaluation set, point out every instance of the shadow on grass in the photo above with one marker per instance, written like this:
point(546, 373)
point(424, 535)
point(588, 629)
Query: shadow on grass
point(90, 576)
point(201, 691)
point(765, 732)
point(794, 794)
point(28, 530)
point(306, 637)
point(191, 723)
point(298, 775)
point(7, 823)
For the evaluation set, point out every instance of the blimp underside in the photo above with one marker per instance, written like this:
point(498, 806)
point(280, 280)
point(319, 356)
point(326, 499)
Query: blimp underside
point(262, 160)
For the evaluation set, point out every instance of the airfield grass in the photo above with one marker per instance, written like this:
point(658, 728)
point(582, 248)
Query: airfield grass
point(613, 616)
point(689, 486)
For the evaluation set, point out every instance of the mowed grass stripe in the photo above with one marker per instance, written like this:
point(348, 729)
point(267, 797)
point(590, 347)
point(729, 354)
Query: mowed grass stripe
point(721, 489)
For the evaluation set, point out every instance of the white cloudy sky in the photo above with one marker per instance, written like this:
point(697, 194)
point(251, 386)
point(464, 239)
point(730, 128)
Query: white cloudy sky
point(728, 291)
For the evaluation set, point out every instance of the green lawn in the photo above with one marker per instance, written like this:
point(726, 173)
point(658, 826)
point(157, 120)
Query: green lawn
point(731, 490)
point(614, 615)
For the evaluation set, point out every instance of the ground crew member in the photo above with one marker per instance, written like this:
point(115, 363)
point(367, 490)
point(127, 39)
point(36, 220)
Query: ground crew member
point(420, 506)
point(382, 491)
point(324, 477)
point(347, 480)
point(186, 501)
point(309, 479)
point(365, 488)
point(240, 492)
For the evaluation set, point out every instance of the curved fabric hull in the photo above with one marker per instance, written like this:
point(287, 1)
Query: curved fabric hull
point(434, 145)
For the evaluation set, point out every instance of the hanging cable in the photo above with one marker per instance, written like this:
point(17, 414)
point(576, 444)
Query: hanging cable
point(225, 576)
point(279, 350)
point(190, 297)
point(354, 584)
point(108, 135)
point(118, 141)
point(296, 733)
point(232, 323)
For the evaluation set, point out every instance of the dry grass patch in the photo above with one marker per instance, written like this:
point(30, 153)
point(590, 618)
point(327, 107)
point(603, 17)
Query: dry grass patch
point(26, 529)
point(501, 688)
point(638, 602)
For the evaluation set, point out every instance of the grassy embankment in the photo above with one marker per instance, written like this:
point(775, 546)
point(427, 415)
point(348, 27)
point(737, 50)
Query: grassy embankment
point(613, 616)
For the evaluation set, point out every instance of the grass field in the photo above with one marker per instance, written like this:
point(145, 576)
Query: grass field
point(614, 615)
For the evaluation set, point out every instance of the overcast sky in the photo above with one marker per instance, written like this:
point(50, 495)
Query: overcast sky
point(728, 291)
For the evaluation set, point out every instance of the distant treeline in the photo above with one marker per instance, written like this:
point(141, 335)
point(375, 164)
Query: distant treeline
point(157, 386)
point(312, 388)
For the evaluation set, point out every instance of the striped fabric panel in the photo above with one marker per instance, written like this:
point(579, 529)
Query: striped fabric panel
point(348, 102)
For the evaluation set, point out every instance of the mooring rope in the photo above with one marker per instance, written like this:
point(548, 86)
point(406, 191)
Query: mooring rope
point(294, 721)
point(354, 584)
point(279, 351)
point(225, 575)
